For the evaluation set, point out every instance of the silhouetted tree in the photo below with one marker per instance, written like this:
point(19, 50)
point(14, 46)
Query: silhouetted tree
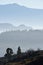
point(19, 51)
point(9, 52)
point(38, 49)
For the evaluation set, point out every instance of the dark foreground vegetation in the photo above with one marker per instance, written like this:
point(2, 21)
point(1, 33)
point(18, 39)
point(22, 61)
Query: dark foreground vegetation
point(29, 57)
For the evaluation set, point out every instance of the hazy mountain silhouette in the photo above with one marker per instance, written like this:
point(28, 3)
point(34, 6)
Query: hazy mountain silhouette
point(14, 13)
point(6, 25)
point(10, 27)
point(23, 27)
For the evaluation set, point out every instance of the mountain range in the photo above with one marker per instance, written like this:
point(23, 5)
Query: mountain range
point(16, 14)
point(10, 27)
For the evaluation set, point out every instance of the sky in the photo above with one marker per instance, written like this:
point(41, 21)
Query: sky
point(38, 4)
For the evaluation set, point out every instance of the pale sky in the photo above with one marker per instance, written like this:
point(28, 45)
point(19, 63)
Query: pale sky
point(28, 3)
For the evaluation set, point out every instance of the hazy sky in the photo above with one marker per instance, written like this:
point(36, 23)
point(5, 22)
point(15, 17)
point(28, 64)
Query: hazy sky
point(28, 3)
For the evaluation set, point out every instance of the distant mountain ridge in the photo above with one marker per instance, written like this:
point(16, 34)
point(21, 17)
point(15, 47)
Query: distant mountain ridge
point(14, 13)
point(6, 25)
point(11, 27)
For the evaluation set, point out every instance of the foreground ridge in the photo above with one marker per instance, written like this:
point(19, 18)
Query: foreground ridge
point(29, 57)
